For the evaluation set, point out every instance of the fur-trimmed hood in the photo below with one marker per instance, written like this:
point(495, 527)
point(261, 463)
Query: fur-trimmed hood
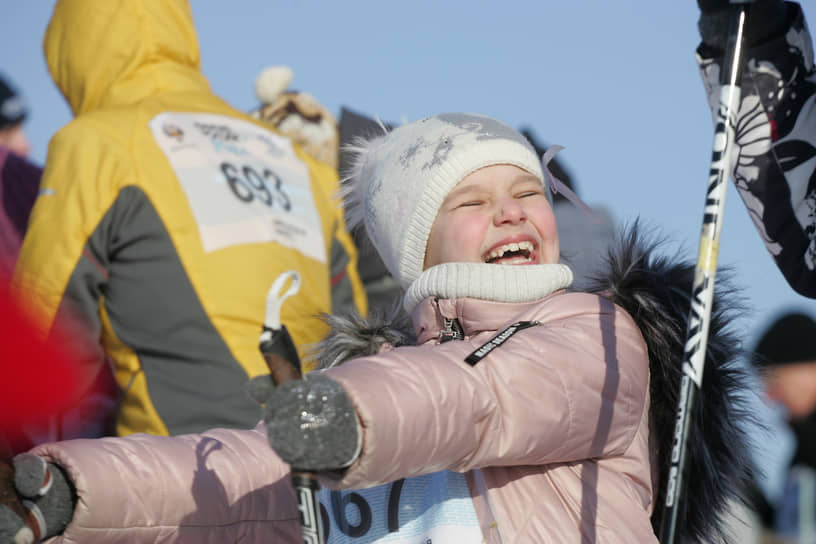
point(655, 291)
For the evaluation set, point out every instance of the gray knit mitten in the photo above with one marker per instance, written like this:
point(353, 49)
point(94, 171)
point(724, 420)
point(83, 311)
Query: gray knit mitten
point(767, 19)
point(312, 424)
point(41, 503)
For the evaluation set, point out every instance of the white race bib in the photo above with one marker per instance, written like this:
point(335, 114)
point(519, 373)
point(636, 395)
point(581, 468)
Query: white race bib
point(244, 184)
point(431, 509)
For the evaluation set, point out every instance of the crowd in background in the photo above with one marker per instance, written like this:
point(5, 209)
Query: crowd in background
point(158, 290)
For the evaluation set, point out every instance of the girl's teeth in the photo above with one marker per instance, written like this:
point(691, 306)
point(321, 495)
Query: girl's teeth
point(517, 260)
point(500, 251)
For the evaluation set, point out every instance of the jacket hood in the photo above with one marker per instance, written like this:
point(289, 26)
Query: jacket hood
point(655, 290)
point(117, 52)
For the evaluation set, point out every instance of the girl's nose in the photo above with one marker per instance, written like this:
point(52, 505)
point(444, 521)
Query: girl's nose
point(509, 211)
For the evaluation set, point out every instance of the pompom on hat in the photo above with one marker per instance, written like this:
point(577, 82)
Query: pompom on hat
point(296, 114)
point(399, 180)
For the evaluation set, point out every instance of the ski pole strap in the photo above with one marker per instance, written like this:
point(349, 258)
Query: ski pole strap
point(277, 295)
point(275, 339)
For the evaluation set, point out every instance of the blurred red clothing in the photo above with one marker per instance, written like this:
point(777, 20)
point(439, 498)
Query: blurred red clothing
point(39, 380)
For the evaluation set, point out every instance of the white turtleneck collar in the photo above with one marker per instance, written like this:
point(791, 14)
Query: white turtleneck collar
point(494, 282)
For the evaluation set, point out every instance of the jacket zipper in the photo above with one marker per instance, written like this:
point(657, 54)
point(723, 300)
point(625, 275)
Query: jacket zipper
point(452, 331)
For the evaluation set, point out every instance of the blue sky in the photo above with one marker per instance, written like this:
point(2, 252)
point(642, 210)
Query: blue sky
point(616, 83)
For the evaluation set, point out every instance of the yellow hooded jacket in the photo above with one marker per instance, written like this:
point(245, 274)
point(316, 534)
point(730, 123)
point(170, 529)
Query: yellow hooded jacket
point(165, 215)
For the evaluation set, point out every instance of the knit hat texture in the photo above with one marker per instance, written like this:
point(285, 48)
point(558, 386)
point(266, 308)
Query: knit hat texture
point(399, 180)
point(12, 108)
point(790, 339)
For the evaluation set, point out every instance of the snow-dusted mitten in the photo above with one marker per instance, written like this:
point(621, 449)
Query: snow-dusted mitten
point(36, 500)
point(767, 19)
point(312, 424)
point(12, 513)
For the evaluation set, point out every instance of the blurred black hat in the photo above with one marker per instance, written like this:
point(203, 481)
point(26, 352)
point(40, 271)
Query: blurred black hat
point(790, 339)
point(12, 108)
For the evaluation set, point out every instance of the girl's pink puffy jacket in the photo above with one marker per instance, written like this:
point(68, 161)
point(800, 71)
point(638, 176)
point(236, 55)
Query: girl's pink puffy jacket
point(556, 417)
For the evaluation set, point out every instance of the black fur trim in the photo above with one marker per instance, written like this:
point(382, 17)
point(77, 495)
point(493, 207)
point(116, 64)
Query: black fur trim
point(655, 291)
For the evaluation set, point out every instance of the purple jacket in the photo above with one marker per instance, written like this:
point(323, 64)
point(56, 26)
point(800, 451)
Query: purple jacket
point(19, 185)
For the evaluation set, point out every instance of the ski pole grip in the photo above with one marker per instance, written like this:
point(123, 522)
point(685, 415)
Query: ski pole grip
point(280, 354)
point(311, 520)
point(282, 359)
point(279, 342)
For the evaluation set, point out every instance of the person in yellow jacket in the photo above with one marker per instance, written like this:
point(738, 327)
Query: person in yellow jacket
point(165, 215)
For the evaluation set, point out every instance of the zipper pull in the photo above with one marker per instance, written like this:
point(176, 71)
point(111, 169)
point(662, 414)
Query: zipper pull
point(452, 331)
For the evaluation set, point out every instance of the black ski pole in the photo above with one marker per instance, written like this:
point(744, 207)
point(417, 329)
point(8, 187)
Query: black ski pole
point(702, 292)
point(282, 359)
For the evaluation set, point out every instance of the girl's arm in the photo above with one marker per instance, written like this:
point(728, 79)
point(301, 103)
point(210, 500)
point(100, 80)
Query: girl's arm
point(220, 486)
point(572, 388)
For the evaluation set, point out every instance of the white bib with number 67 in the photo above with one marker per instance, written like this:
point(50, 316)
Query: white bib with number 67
point(244, 184)
point(430, 509)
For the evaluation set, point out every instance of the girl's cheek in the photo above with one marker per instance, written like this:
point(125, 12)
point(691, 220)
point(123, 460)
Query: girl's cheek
point(471, 231)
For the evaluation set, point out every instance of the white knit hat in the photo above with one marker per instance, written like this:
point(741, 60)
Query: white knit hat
point(399, 180)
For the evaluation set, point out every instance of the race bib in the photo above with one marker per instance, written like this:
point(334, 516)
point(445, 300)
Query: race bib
point(244, 184)
point(431, 509)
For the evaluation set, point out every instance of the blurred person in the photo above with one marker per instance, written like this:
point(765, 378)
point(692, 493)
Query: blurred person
point(785, 356)
point(19, 185)
point(41, 380)
point(776, 132)
point(384, 292)
point(12, 115)
point(164, 217)
point(19, 178)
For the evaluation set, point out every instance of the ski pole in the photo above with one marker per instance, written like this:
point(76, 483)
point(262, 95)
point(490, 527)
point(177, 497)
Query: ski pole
point(702, 292)
point(282, 359)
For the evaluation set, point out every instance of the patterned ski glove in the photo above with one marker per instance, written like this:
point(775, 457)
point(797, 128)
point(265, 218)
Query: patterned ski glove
point(36, 500)
point(312, 424)
point(767, 19)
